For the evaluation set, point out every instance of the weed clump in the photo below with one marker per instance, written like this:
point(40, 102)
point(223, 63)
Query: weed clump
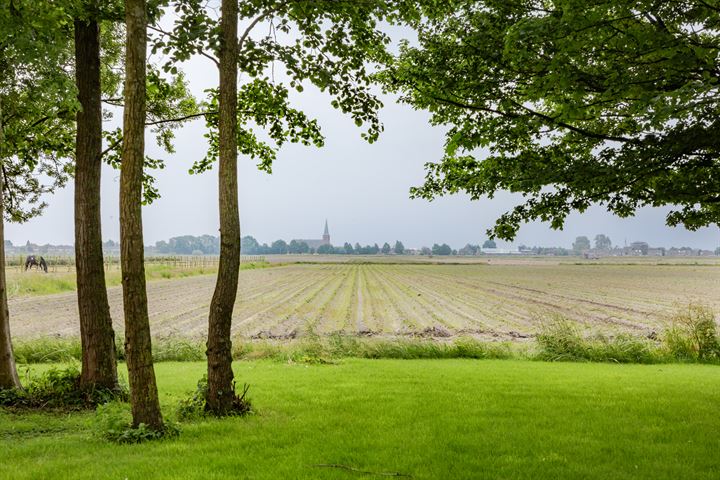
point(58, 389)
point(561, 340)
point(195, 405)
point(693, 335)
point(113, 422)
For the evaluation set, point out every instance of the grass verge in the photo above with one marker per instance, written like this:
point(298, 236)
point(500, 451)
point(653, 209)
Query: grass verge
point(37, 283)
point(691, 337)
point(457, 419)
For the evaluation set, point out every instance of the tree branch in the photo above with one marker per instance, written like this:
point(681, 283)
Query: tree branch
point(180, 119)
point(169, 34)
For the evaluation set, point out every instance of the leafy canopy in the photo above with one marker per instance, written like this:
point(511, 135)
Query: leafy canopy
point(37, 105)
point(285, 45)
point(572, 103)
point(38, 97)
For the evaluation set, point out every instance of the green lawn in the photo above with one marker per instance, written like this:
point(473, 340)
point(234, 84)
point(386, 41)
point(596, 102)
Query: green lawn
point(431, 419)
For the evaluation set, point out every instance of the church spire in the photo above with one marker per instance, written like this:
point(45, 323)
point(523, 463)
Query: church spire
point(326, 234)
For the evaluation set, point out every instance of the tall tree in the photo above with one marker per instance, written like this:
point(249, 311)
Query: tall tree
point(36, 110)
point(602, 242)
point(138, 348)
point(168, 105)
point(221, 393)
point(610, 102)
point(41, 110)
point(327, 44)
point(581, 243)
point(96, 330)
point(8, 372)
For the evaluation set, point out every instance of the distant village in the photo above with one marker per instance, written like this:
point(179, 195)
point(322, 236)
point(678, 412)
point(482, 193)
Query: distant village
point(600, 247)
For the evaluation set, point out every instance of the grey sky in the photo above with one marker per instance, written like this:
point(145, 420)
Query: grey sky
point(361, 189)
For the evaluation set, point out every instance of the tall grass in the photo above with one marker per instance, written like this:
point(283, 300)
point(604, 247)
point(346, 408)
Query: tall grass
point(47, 350)
point(317, 349)
point(690, 337)
point(561, 340)
point(693, 335)
point(313, 349)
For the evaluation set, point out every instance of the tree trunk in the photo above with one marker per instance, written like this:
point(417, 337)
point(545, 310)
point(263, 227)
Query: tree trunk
point(138, 347)
point(220, 375)
point(8, 372)
point(96, 330)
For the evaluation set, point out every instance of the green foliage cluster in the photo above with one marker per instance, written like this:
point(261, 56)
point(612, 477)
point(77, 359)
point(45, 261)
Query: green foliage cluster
point(571, 104)
point(37, 105)
point(443, 249)
point(194, 406)
point(333, 46)
point(581, 243)
point(113, 422)
point(57, 389)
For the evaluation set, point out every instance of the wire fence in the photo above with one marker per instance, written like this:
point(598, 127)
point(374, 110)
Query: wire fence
point(66, 263)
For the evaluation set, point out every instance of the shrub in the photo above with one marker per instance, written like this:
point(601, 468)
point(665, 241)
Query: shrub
point(58, 389)
point(113, 422)
point(195, 405)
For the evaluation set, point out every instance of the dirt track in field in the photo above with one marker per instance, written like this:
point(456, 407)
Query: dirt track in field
point(493, 301)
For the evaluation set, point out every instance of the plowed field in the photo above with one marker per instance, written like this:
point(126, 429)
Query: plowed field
point(498, 301)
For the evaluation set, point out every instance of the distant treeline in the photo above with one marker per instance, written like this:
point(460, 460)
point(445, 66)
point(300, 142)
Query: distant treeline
point(250, 246)
point(210, 245)
point(190, 245)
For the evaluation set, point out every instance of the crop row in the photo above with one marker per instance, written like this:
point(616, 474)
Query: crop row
point(490, 300)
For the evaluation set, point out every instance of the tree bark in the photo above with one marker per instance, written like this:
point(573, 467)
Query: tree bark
point(219, 347)
point(97, 337)
point(138, 347)
point(8, 372)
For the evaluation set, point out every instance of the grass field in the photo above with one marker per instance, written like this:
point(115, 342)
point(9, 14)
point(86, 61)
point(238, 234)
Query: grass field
point(34, 283)
point(494, 302)
point(437, 419)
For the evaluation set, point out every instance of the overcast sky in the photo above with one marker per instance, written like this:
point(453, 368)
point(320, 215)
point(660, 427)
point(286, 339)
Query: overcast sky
point(361, 189)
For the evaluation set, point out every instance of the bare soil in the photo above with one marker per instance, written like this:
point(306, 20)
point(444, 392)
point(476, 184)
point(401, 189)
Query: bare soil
point(508, 301)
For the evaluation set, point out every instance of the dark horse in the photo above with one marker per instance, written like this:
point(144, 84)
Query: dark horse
point(33, 261)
